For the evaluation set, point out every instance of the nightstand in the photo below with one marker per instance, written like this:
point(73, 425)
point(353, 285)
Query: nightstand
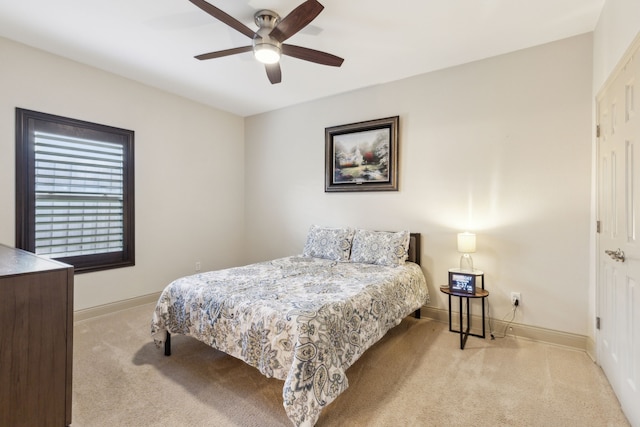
point(479, 293)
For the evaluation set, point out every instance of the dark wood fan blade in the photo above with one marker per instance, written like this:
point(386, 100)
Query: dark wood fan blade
point(296, 20)
point(312, 55)
point(224, 17)
point(274, 73)
point(226, 52)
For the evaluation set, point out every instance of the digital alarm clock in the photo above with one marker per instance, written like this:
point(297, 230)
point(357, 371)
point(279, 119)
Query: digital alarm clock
point(462, 282)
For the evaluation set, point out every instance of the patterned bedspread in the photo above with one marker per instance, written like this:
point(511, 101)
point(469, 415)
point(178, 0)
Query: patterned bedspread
point(299, 319)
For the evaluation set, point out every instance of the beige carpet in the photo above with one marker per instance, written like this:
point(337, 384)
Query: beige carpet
point(415, 376)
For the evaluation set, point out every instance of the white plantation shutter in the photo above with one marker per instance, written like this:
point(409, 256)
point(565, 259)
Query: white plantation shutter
point(79, 196)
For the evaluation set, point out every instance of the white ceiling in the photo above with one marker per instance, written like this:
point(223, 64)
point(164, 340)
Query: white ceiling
point(154, 41)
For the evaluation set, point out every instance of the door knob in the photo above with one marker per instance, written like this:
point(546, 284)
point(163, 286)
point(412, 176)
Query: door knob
point(617, 255)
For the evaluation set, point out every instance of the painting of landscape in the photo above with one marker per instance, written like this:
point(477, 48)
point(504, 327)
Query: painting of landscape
point(362, 156)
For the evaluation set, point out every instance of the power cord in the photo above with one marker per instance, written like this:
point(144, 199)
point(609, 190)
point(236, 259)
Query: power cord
point(513, 316)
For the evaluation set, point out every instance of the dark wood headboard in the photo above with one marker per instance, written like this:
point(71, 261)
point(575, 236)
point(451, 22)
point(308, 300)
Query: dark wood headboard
point(414, 248)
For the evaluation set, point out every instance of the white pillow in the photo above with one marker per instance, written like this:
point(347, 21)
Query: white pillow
point(329, 243)
point(380, 247)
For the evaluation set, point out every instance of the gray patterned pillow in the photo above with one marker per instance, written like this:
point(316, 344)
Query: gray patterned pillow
point(329, 243)
point(380, 247)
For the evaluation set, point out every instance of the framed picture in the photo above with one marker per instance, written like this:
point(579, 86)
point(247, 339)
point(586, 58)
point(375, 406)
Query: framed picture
point(362, 156)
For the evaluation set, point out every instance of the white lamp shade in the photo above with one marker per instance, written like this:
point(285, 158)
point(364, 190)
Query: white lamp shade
point(466, 242)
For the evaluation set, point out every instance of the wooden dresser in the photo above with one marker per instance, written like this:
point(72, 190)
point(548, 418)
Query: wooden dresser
point(36, 340)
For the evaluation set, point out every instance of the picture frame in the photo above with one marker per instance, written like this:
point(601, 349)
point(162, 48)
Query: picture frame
point(362, 156)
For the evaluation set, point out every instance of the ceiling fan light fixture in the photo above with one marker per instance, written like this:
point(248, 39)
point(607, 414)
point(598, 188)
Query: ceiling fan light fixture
point(267, 53)
point(268, 41)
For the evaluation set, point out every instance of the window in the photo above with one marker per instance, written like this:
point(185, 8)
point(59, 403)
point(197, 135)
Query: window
point(74, 191)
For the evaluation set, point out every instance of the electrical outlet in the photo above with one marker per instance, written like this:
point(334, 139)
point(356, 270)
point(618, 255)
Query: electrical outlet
point(198, 266)
point(515, 296)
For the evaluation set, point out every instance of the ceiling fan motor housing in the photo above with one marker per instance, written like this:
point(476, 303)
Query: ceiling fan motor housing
point(266, 48)
point(266, 19)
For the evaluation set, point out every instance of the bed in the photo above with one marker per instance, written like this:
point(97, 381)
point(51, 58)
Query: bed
point(302, 319)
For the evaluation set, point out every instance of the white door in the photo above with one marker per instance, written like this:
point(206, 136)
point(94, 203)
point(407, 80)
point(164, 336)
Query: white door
point(618, 283)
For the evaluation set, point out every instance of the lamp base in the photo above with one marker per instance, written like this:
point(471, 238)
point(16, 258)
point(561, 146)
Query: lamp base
point(466, 262)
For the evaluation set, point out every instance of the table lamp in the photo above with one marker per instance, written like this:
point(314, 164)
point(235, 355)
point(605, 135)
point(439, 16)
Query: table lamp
point(466, 245)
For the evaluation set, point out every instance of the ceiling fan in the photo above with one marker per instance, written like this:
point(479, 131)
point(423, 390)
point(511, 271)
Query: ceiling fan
point(268, 42)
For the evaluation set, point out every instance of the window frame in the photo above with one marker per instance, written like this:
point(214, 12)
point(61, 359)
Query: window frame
point(26, 191)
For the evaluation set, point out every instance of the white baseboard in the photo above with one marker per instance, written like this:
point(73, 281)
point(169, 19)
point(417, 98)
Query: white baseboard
point(591, 349)
point(499, 327)
point(100, 310)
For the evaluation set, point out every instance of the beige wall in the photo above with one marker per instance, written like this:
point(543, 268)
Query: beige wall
point(501, 147)
point(189, 168)
point(617, 27)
